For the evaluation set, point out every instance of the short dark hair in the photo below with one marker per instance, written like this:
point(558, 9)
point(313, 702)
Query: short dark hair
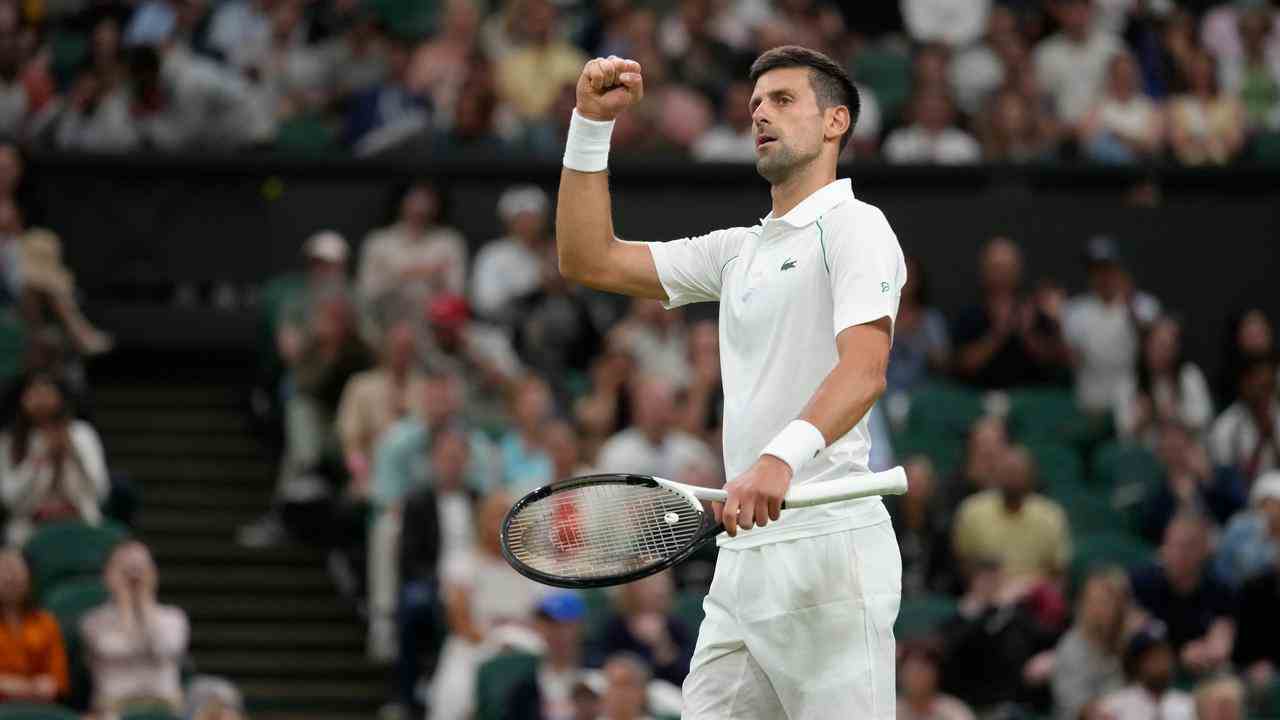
point(830, 82)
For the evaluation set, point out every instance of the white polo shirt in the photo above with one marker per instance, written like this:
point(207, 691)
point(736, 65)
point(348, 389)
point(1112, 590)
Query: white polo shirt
point(787, 287)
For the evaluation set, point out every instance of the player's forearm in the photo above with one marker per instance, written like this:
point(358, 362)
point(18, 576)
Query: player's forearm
point(845, 397)
point(584, 224)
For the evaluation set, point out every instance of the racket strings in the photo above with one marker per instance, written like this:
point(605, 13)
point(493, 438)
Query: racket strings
point(602, 530)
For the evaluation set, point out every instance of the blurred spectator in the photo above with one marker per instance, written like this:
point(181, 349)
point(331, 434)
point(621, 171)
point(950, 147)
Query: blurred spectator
point(529, 77)
point(1008, 341)
point(1026, 531)
point(1170, 388)
point(486, 602)
point(441, 67)
point(1220, 698)
point(924, 533)
point(701, 410)
point(1206, 125)
point(290, 77)
point(480, 353)
point(980, 69)
point(49, 296)
point(1246, 435)
point(985, 449)
point(1124, 126)
point(656, 338)
point(1012, 129)
point(920, 698)
point(134, 645)
point(686, 38)
point(52, 466)
point(555, 331)
point(1072, 63)
point(290, 300)
point(525, 462)
point(990, 646)
point(356, 58)
point(625, 696)
point(684, 116)
point(213, 698)
point(605, 408)
point(26, 88)
point(1191, 483)
point(511, 267)
point(1104, 327)
point(33, 660)
point(374, 399)
point(1150, 666)
point(409, 261)
point(921, 344)
point(1162, 40)
point(239, 24)
point(1181, 590)
point(651, 445)
point(932, 136)
point(954, 22)
point(1249, 334)
point(1257, 651)
point(1088, 659)
point(1249, 544)
point(105, 70)
point(390, 112)
point(1251, 69)
point(646, 626)
point(473, 124)
point(554, 691)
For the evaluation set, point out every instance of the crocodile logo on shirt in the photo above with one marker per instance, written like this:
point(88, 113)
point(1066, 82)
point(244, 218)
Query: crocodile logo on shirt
point(788, 264)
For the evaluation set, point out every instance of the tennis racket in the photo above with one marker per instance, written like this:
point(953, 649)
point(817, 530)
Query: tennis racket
point(601, 530)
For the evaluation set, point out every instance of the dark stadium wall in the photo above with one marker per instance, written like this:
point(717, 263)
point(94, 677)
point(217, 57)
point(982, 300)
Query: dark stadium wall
point(135, 227)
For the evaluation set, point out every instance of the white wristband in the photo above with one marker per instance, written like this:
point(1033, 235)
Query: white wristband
point(798, 443)
point(587, 148)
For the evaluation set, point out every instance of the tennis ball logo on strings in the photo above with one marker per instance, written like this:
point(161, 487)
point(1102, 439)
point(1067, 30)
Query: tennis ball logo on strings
point(671, 518)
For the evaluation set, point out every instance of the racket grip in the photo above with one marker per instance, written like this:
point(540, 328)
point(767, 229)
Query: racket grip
point(887, 482)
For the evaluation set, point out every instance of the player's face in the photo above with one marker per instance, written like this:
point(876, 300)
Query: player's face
point(787, 122)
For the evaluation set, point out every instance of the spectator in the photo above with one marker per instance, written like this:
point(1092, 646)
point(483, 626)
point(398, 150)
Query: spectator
point(733, 139)
point(977, 71)
point(1008, 341)
point(687, 39)
point(1163, 42)
point(289, 77)
point(605, 408)
point(656, 338)
point(555, 332)
point(1103, 328)
point(921, 344)
point(1220, 698)
point(1206, 125)
point(1257, 651)
point(1247, 434)
point(480, 353)
point(554, 691)
point(651, 445)
point(239, 24)
point(1025, 531)
point(1253, 74)
point(1124, 126)
point(133, 645)
point(356, 58)
point(1181, 590)
point(51, 464)
point(411, 260)
point(1012, 129)
point(1088, 659)
point(48, 301)
point(1191, 483)
point(1250, 543)
point(529, 77)
point(958, 23)
point(923, 531)
point(932, 136)
point(511, 267)
point(985, 448)
point(702, 403)
point(213, 698)
point(105, 70)
point(525, 462)
point(1169, 388)
point(1249, 335)
point(375, 399)
point(1150, 667)
point(920, 698)
point(389, 113)
point(646, 626)
point(626, 685)
point(485, 603)
point(1072, 63)
point(33, 661)
point(473, 126)
point(441, 67)
point(27, 89)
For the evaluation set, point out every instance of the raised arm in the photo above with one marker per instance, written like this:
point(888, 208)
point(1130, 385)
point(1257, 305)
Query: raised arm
point(589, 251)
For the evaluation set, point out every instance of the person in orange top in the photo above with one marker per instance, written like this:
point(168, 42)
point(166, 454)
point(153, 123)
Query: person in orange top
point(33, 662)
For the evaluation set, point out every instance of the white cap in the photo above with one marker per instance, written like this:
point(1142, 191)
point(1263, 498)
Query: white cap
point(327, 245)
point(521, 199)
point(1266, 487)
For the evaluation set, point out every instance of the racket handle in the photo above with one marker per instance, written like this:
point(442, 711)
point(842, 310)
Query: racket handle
point(887, 482)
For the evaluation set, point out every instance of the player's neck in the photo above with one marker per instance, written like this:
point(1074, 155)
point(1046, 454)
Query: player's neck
point(804, 182)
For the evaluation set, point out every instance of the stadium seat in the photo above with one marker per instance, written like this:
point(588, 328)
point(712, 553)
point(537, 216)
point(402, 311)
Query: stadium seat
point(1060, 470)
point(306, 134)
point(688, 607)
point(922, 616)
point(888, 74)
point(69, 602)
point(13, 345)
point(1117, 463)
point(1050, 414)
point(148, 715)
point(944, 409)
point(945, 451)
point(64, 551)
point(1098, 549)
point(32, 711)
point(495, 680)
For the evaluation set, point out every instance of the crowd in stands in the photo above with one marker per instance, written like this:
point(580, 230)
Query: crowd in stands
point(1195, 82)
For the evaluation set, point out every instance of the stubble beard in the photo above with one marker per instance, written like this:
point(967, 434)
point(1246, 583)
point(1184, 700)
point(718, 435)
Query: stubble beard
point(781, 164)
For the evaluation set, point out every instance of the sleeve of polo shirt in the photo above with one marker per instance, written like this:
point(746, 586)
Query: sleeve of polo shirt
point(867, 270)
point(692, 269)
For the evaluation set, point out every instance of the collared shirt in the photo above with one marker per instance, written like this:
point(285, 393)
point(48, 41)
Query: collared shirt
point(787, 287)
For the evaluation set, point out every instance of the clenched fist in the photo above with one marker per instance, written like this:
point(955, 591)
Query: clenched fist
point(608, 86)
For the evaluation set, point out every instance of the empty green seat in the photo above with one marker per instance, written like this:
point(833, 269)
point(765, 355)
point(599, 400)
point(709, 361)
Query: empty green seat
point(688, 607)
point(70, 601)
point(944, 450)
point(1059, 468)
point(1046, 414)
point(888, 73)
point(13, 347)
point(1099, 549)
point(944, 409)
point(63, 551)
point(496, 679)
point(34, 711)
point(922, 616)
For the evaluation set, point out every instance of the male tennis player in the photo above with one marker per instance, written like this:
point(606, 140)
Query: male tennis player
point(799, 620)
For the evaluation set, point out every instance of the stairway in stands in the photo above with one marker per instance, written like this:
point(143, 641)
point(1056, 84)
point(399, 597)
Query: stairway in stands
point(270, 620)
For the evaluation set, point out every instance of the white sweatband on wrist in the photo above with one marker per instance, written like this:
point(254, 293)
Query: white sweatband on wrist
point(587, 148)
point(798, 443)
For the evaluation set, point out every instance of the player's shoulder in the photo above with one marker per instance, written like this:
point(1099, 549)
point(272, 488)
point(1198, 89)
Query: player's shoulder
point(856, 222)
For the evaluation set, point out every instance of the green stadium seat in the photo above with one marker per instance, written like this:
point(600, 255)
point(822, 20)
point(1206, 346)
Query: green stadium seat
point(1059, 468)
point(69, 49)
point(1093, 550)
point(496, 679)
point(70, 602)
point(1047, 414)
point(944, 409)
point(922, 616)
point(33, 711)
point(67, 550)
point(888, 73)
point(944, 450)
point(1126, 473)
point(306, 135)
point(688, 607)
point(149, 715)
point(13, 347)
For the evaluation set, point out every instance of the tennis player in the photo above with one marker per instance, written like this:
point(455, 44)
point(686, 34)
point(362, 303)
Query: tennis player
point(799, 620)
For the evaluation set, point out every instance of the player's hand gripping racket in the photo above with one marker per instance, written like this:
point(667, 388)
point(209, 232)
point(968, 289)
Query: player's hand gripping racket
point(601, 530)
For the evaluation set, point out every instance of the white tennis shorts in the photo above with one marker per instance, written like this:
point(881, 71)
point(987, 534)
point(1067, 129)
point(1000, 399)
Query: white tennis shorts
point(800, 630)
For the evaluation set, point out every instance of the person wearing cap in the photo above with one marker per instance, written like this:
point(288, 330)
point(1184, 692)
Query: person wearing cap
point(481, 353)
point(288, 300)
point(1150, 665)
point(549, 693)
point(414, 258)
point(1249, 544)
point(1103, 327)
point(511, 266)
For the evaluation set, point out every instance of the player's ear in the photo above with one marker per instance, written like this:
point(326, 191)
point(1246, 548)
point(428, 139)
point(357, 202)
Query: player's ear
point(837, 122)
